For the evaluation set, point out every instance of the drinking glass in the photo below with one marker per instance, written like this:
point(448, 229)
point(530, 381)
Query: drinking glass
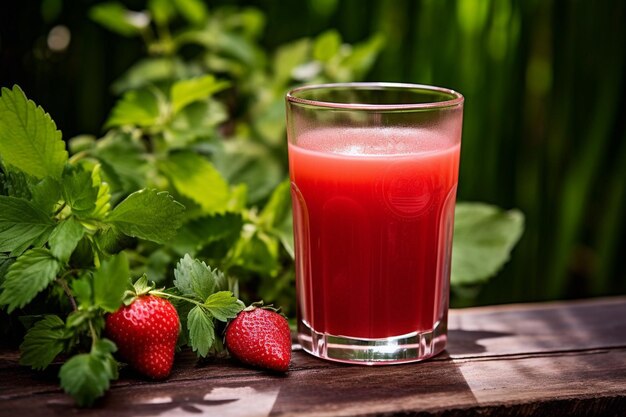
point(374, 172)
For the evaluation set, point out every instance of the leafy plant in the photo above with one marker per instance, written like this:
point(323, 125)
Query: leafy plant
point(61, 237)
point(203, 118)
point(189, 173)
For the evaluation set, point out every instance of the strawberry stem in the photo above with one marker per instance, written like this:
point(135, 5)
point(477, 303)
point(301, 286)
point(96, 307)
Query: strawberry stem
point(178, 297)
point(94, 335)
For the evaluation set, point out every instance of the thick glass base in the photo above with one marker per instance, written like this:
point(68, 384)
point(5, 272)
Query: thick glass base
point(411, 347)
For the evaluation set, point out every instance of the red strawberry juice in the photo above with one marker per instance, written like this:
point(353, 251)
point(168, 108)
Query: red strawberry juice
point(373, 220)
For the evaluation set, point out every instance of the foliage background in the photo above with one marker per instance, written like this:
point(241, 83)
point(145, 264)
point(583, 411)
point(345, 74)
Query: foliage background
point(544, 124)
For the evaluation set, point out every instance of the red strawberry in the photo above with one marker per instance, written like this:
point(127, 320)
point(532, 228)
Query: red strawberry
point(145, 333)
point(260, 337)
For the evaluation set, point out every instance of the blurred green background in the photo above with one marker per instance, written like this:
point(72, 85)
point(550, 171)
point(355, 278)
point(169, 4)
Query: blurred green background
point(544, 129)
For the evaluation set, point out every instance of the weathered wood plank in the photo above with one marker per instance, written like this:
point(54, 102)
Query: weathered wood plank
point(536, 328)
point(565, 359)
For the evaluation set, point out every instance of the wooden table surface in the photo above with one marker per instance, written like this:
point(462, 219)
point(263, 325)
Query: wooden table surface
point(548, 359)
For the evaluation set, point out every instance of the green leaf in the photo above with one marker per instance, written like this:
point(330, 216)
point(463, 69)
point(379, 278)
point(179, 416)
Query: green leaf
point(110, 241)
point(185, 92)
point(5, 263)
point(278, 207)
point(78, 191)
point(110, 281)
point(29, 139)
point(194, 278)
point(362, 57)
point(223, 305)
point(115, 17)
point(87, 376)
point(65, 237)
point(250, 163)
point(102, 205)
point(200, 232)
point(256, 251)
point(21, 225)
point(27, 276)
point(148, 214)
point(194, 11)
point(135, 108)
point(194, 177)
point(123, 161)
point(288, 57)
point(46, 194)
point(43, 342)
point(162, 11)
point(484, 236)
point(81, 288)
point(284, 232)
point(326, 45)
point(201, 330)
point(149, 71)
point(16, 184)
point(196, 121)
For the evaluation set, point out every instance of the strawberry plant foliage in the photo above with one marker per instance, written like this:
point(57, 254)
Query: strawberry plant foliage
point(54, 216)
point(162, 187)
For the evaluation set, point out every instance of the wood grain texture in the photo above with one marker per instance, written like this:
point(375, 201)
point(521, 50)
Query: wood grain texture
point(558, 359)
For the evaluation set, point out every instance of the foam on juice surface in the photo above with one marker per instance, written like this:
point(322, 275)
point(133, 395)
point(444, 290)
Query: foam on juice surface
point(374, 141)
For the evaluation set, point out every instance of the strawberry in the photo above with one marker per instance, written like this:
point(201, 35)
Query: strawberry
point(145, 332)
point(260, 336)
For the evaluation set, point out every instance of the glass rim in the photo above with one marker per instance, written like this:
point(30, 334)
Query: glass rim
point(456, 98)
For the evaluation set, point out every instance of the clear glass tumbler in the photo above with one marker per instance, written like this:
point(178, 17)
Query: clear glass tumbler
point(374, 171)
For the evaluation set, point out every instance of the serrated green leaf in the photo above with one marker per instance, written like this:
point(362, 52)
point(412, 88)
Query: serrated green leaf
point(115, 17)
point(148, 214)
point(16, 184)
point(5, 262)
point(201, 330)
point(87, 376)
point(194, 278)
point(43, 342)
point(79, 192)
point(194, 177)
point(202, 231)
point(103, 197)
point(46, 194)
point(223, 305)
point(21, 224)
point(194, 11)
point(29, 139)
point(326, 45)
point(110, 281)
point(484, 236)
point(185, 92)
point(27, 276)
point(135, 108)
point(65, 237)
point(142, 285)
